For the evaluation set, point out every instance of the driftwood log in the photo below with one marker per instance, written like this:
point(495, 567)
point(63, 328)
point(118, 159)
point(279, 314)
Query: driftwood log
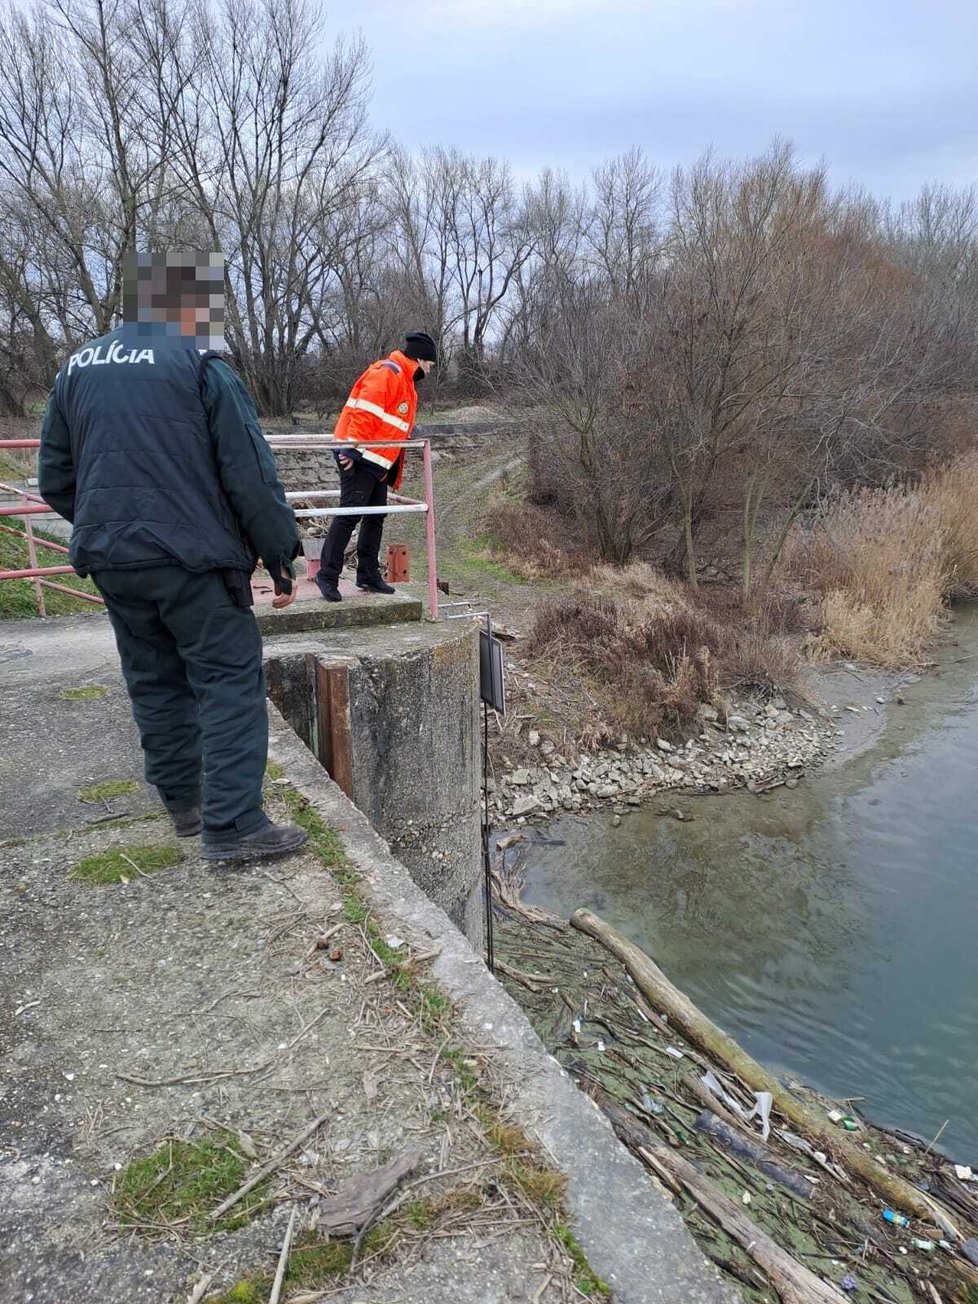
point(795, 1283)
point(702, 1032)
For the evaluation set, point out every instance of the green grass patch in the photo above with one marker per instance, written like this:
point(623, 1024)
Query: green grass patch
point(119, 864)
point(586, 1280)
point(522, 1168)
point(313, 1265)
point(106, 791)
point(325, 843)
point(478, 560)
point(274, 770)
point(180, 1182)
point(87, 693)
point(17, 596)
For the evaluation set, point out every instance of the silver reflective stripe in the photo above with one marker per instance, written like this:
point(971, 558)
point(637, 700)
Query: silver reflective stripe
point(379, 458)
point(364, 405)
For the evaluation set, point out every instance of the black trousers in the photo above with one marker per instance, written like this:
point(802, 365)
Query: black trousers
point(192, 662)
point(358, 488)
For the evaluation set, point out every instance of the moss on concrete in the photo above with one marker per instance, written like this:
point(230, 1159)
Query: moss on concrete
point(586, 1281)
point(107, 790)
point(314, 1264)
point(87, 693)
point(120, 864)
point(176, 1187)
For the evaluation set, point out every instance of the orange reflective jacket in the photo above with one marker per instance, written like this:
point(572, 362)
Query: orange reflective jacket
point(382, 405)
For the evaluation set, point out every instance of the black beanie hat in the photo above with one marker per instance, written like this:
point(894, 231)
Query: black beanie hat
point(420, 346)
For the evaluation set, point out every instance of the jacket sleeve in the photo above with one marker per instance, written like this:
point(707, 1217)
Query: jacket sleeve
point(55, 463)
point(247, 470)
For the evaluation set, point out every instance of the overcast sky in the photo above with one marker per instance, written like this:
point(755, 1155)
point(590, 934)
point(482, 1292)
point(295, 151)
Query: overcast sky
point(883, 90)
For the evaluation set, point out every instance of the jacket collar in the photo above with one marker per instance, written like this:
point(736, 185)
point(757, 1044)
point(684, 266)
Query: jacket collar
point(407, 365)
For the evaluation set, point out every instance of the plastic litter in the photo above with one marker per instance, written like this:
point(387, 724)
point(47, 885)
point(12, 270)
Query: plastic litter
point(918, 1244)
point(653, 1106)
point(762, 1106)
point(969, 1249)
point(849, 1283)
point(897, 1219)
point(964, 1174)
point(675, 1052)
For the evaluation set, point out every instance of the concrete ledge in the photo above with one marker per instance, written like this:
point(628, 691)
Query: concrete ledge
point(354, 612)
point(632, 1236)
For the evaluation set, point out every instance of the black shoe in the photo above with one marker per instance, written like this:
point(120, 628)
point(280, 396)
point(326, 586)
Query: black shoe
point(187, 822)
point(328, 588)
point(374, 584)
point(265, 842)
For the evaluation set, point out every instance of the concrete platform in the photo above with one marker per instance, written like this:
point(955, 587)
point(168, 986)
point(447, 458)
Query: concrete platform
point(195, 997)
point(311, 612)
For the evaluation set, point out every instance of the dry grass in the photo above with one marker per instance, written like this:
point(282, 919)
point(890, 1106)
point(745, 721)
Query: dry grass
point(528, 540)
point(656, 651)
point(885, 562)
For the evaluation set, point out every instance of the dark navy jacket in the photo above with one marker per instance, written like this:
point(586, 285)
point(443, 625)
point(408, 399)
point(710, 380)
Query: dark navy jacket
point(156, 457)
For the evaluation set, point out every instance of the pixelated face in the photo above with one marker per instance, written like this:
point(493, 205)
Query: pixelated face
point(183, 290)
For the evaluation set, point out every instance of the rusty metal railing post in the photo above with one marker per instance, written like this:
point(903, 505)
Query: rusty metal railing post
point(429, 522)
point(32, 557)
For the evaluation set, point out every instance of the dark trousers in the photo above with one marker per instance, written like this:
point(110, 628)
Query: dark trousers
point(192, 662)
point(358, 488)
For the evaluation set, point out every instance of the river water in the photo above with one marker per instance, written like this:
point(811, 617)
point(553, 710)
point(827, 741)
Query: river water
point(831, 929)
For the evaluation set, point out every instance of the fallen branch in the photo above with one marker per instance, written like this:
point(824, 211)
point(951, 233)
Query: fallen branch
point(283, 1259)
point(795, 1283)
point(533, 983)
point(702, 1032)
point(269, 1167)
point(191, 1078)
point(201, 1288)
point(532, 914)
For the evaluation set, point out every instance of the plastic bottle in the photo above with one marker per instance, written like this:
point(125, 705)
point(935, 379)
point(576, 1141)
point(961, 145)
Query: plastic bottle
point(897, 1219)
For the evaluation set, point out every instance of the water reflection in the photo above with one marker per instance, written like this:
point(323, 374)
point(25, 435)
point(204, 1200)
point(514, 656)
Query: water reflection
point(832, 928)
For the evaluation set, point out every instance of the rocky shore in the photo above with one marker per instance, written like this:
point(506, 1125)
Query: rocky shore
point(757, 746)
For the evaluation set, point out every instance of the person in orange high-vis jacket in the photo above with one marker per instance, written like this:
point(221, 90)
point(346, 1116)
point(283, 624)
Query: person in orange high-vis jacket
point(381, 408)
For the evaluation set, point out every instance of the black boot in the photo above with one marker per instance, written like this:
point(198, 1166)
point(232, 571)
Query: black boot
point(265, 842)
point(187, 822)
point(374, 583)
point(328, 588)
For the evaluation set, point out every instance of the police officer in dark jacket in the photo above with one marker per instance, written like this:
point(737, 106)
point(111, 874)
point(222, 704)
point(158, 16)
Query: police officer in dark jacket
point(151, 449)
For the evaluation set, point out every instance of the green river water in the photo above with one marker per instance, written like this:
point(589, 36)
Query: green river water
point(832, 929)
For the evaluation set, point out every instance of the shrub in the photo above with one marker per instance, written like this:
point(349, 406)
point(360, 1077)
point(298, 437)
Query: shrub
point(884, 562)
point(657, 653)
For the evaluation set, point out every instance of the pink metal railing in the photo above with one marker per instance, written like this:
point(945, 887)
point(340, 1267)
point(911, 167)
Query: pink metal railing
point(33, 505)
point(398, 504)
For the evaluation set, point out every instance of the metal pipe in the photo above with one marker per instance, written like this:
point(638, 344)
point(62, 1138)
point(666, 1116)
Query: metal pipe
point(19, 534)
point(29, 572)
point(26, 509)
point(360, 511)
point(20, 443)
point(32, 558)
point(75, 593)
point(429, 497)
point(20, 493)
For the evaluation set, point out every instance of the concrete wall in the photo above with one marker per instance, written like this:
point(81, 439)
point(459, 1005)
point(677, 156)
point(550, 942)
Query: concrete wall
point(393, 716)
